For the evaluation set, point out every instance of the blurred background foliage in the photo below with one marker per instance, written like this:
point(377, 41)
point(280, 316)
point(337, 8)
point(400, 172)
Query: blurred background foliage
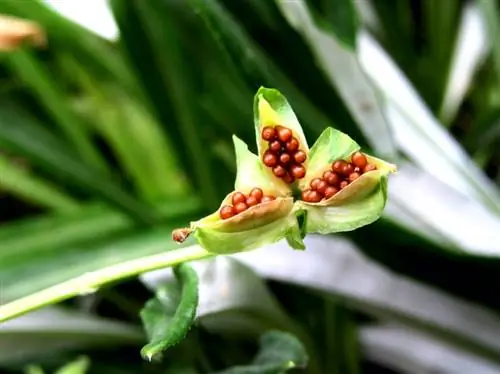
point(107, 145)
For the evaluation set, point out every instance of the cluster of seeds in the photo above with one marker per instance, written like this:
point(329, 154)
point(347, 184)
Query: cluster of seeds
point(283, 154)
point(341, 174)
point(241, 202)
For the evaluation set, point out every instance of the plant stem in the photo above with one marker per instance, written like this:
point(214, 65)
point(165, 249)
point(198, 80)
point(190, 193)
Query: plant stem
point(90, 282)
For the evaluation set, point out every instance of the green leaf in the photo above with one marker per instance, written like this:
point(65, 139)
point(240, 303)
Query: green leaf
point(168, 318)
point(33, 370)
point(339, 16)
point(279, 352)
point(79, 366)
point(44, 149)
point(24, 184)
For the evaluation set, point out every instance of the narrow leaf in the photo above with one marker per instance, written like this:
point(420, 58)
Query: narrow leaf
point(168, 317)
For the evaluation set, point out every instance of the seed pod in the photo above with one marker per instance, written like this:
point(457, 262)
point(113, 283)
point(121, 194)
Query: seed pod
point(288, 143)
point(263, 212)
point(349, 198)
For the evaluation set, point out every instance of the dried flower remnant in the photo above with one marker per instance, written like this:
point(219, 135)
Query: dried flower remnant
point(283, 155)
point(14, 31)
point(241, 202)
point(340, 175)
point(180, 235)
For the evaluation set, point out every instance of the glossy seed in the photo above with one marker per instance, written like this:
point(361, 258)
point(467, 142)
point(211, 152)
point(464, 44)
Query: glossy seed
point(268, 133)
point(314, 183)
point(298, 171)
point(240, 207)
point(288, 178)
point(292, 145)
point(348, 169)
point(257, 193)
point(299, 157)
point(227, 211)
point(284, 134)
point(267, 198)
point(344, 184)
point(315, 197)
point(285, 159)
point(354, 176)
point(275, 146)
point(238, 197)
point(305, 195)
point(359, 160)
point(251, 201)
point(338, 166)
point(369, 167)
point(330, 191)
point(357, 169)
point(279, 171)
point(332, 178)
point(322, 187)
point(269, 159)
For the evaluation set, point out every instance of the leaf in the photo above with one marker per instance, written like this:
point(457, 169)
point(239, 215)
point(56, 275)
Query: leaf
point(54, 330)
point(279, 352)
point(338, 267)
point(168, 318)
point(342, 67)
point(338, 16)
point(79, 366)
point(24, 184)
point(45, 150)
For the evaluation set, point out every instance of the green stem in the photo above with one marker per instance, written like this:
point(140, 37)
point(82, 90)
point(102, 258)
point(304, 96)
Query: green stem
point(91, 281)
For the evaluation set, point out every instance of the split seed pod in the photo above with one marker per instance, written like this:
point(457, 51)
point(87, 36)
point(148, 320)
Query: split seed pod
point(263, 223)
point(360, 197)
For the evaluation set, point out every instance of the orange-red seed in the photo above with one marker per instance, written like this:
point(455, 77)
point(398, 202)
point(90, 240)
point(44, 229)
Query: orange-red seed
point(240, 207)
point(369, 167)
point(288, 178)
point(332, 178)
point(298, 171)
point(267, 198)
point(275, 146)
point(299, 157)
point(344, 184)
point(315, 197)
point(359, 160)
point(279, 171)
point(338, 166)
point(257, 193)
point(354, 176)
point(251, 201)
point(284, 159)
point(330, 191)
point(227, 211)
point(238, 197)
point(269, 159)
point(348, 169)
point(292, 145)
point(314, 183)
point(268, 133)
point(284, 134)
point(322, 187)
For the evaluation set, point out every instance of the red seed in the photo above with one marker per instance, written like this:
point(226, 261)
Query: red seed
point(348, 169)
point(267, 199)
point(238, 197)
point(288, 178)
point(314, 183)
point(306, 195)
point(332, 178)
point(275, 146)
point(240, 207)
point(358, 170)
point(284, 159)
point(359, 160)
point(251, 201)
point(257, 193)
point(299, 157)
point(292, 145)
point(330, 191)
point(353, 177)
point(315, 197)
point(322, 187)
point(268, 133)
point(344, 184)
point(298, 171)
point(284, 134)
point(227, 211)
point(338, 166)
point(269, 159)
point(180, 235)
point(279, 171)
point(369, 167)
